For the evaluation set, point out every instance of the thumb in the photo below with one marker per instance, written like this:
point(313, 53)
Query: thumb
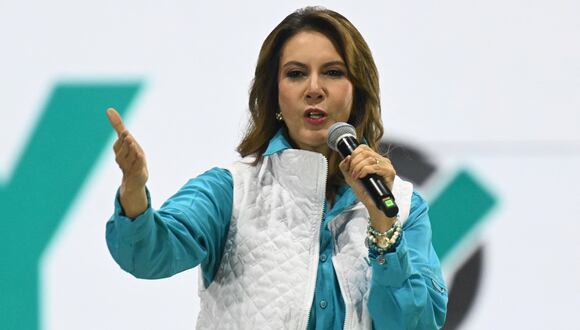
point(344, 166)
point(116, 121)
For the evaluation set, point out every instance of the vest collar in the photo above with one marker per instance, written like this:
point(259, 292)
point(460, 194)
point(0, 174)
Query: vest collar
point(345, 197)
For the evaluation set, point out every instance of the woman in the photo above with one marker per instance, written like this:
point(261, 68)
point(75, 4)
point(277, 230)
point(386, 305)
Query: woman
point(282, 235)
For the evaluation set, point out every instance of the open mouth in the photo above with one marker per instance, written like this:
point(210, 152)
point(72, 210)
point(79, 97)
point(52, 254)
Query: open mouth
point(315, 114)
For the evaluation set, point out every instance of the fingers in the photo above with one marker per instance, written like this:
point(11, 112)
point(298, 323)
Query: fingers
point(128, 153)
point(365, 161)
point(126, 147)
point(117, 144)
point(123, 150)
point(116, 121)
point(345, 166)
point(373, 165)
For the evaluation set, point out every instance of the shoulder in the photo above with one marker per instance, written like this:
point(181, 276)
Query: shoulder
point(217, 174)
point(419, 211)
point(207, 196)
point(215, 183)
point(418, 203)
point(214, 177)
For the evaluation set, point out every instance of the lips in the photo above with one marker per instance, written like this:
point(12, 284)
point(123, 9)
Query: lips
point(315, 116)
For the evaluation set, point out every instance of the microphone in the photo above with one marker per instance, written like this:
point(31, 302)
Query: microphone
point(342, 138)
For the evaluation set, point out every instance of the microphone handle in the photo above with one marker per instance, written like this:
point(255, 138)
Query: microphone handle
point(373, 183)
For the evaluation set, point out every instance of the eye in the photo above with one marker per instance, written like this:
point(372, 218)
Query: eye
point(294, 74)
point(335, 73)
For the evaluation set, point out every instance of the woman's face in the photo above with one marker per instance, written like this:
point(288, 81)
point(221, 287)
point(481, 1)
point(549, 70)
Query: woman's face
point(314, 91)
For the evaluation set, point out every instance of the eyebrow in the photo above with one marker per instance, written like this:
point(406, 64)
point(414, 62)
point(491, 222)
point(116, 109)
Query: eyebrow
point(300, 64)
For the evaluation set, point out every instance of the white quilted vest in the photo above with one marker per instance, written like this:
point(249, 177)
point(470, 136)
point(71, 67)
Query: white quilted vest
point(267, 274)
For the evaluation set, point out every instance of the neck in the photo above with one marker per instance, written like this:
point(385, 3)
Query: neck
point(332, 164)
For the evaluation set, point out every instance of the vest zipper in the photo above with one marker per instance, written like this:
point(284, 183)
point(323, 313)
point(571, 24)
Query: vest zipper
point(317, 245)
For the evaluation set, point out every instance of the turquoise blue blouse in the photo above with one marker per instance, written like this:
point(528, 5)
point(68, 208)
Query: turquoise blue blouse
point(190, 229)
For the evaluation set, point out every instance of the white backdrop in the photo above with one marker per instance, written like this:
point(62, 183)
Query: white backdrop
point(489, 85)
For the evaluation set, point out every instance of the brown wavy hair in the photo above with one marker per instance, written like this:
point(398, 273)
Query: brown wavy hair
point(361, 71)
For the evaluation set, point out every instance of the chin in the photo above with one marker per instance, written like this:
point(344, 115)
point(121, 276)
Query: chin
point(316, 137)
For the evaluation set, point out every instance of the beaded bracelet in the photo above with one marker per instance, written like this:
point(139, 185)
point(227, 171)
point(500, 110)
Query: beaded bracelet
point(382, 242)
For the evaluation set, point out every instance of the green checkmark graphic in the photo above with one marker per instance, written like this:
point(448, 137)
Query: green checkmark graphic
point(65, 144)
point(460, 207)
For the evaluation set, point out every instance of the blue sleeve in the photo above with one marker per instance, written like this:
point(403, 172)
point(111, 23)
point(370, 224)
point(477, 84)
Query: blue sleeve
point(408, 290)
point(188, 230)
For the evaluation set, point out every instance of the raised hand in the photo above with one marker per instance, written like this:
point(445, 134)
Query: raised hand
point(131, 159)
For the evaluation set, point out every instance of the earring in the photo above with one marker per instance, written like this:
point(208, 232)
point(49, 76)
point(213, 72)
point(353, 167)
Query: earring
point(279, 116)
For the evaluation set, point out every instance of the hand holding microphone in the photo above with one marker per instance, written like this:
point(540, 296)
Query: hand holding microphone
point(374, 173)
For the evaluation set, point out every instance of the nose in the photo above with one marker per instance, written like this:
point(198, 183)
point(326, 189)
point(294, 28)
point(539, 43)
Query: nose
point(315, 90)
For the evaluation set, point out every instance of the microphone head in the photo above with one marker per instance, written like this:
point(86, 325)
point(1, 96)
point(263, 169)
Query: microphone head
point(337, 131)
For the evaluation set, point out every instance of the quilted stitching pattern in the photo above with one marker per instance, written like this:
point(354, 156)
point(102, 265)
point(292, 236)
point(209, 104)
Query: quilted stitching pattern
point(273, 236)
point(268, 270)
